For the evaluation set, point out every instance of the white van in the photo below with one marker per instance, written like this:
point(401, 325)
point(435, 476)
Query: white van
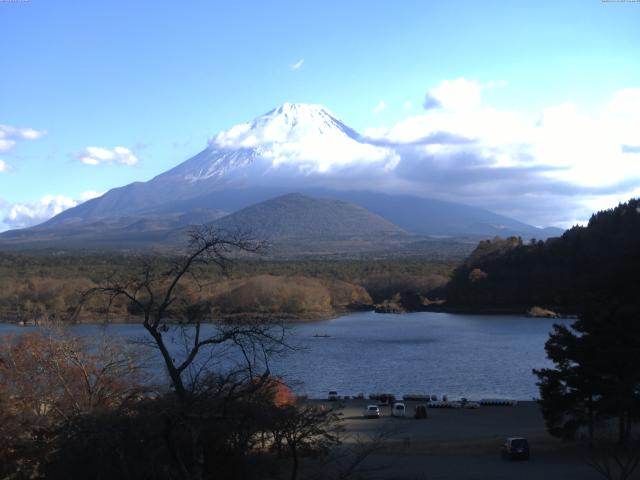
point(398, 410)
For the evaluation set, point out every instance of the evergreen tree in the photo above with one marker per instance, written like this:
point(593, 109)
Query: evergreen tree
point(597, 370)
point(570, 392)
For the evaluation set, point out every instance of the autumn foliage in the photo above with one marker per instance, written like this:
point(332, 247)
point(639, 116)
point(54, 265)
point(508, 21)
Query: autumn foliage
point(46, 381)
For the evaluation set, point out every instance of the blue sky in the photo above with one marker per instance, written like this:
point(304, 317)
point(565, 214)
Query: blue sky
point(159, 78)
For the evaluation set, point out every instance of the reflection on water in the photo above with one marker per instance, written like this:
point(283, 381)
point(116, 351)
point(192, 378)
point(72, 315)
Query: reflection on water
point(459, 355)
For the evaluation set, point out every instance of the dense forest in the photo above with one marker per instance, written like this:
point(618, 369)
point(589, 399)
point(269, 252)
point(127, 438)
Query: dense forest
point(598, 261)
point(501, 275)
point(43, 287)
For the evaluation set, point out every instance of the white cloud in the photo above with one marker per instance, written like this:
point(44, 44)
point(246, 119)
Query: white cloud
point(458, 94)
point(6, 145)
point(407, 106)
point(496, 84)
point(579, 160)
point(546, 168)
point(27, 214)
point(22, 215)
point(297, 65)
point(98, 155)
point(89, 194)
point(317, 142)
point(573, 144)
point(380, 107)
point(10, 135)
point(4, 166)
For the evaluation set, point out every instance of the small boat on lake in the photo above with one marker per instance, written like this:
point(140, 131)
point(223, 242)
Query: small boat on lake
point(323, 335)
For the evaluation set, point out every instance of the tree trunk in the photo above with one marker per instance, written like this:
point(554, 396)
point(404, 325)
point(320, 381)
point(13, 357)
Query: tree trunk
point(621, 429)
point(197, 467)
point(294, 467)
point(591, 421)
point(174, 374)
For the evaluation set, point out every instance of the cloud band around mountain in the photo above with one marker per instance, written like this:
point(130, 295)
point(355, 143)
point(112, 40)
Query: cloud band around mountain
point(550, 168)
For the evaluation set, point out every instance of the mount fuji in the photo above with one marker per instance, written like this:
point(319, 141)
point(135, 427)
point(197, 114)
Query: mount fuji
point(297, 148)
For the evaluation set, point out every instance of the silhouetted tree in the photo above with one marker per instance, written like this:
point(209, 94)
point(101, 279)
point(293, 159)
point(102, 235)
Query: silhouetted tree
point(597, 260)
point(597, 370)
point(202, 397)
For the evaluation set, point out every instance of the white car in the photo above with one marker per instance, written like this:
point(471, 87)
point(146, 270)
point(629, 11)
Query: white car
point(372, 411)
point(398, 410)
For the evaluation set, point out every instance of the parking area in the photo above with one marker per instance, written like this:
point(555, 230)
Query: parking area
point(461, 444)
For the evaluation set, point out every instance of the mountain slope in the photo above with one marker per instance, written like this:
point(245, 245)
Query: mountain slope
point(298, 145)
point(296, 216)
point(290, 145)
point(427, 216)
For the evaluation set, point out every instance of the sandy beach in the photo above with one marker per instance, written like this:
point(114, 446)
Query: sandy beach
point(462, 444)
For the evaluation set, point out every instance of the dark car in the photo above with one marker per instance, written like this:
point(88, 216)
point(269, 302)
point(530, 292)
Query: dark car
point(420, 411)
point(386, 399)
point(515, 448)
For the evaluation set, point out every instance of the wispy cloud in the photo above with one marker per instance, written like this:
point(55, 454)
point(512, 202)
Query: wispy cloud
point(380, 107)
point(497, 83)
point(297, 65)
point(9, 136)
point(4, 166)
point(99, 155)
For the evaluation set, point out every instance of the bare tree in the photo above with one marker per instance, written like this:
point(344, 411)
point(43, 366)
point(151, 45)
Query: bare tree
point(615, 461)
point(350, 465)
point(164, 305)
point(175, 318)
point(306, 431)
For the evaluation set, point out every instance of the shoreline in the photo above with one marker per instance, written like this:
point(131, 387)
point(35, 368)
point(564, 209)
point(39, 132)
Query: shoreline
point(290, 319)
point(508, 310)
point(226, 319)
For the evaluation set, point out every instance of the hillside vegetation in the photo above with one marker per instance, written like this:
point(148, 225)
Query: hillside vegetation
point(41, 287)
point(562, 274)
point(299, 216)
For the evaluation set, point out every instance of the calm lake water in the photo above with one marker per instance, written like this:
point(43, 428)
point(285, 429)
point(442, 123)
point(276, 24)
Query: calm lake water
point(473, 356)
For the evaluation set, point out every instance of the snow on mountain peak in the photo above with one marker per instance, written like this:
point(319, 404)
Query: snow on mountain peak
point(305, 136)
point(290, 122)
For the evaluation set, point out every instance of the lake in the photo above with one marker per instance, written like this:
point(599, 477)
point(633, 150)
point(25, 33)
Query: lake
point(473, 356)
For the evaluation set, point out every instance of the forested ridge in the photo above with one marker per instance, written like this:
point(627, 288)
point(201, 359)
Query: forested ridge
point(36, 288)
point(599, 260)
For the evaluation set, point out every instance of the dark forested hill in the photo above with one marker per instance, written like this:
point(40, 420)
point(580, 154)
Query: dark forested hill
point(600, 260)
point(299, 216)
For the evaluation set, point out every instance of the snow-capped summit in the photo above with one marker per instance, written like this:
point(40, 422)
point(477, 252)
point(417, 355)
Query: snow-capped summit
point(293, 139)
point(293, 148)
point(290, 122)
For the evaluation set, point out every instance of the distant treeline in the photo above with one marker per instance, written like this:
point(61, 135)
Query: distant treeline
point(563, 274)
point(48, 286)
